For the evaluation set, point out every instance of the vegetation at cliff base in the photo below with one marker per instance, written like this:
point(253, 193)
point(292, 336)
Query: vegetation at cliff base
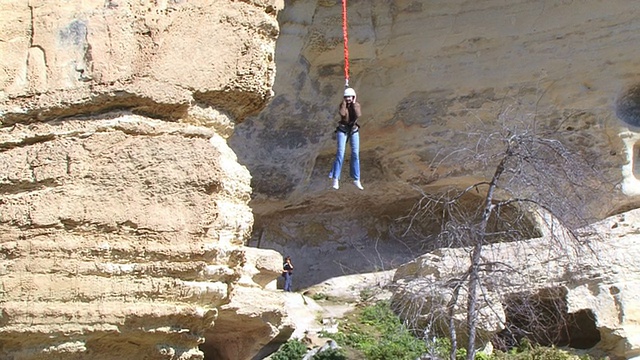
point(376, 333)
point(292, 349)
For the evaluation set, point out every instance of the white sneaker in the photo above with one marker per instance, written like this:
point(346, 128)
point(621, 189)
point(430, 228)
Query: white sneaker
point(358, 185)
point(336, 184)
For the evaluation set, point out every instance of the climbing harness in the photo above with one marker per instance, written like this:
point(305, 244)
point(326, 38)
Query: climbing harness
point(345, 36)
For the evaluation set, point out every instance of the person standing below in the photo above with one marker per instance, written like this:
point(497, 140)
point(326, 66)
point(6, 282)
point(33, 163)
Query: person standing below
point(287, 272)
point(347, 129)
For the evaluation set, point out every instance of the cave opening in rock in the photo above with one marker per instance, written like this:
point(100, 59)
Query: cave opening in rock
point(436, 218)
point(542, 318)
point(628, 106)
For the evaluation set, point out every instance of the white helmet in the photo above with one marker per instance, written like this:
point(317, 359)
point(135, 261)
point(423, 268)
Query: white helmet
point(349, 92)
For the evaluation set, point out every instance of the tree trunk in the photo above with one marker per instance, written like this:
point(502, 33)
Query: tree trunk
point(452, 326)
point(479, 240)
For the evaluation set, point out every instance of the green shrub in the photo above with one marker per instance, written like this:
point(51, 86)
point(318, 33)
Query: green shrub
point(526, 351)
point(320, 296)
point(441, 348)
point(330, 354)
point(291, 350)
point(378, 333)
point(483, 356)
point(390, 348)
point(461, 353)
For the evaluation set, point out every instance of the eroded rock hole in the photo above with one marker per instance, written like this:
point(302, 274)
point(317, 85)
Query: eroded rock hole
point(542, 318)
point(628, 106)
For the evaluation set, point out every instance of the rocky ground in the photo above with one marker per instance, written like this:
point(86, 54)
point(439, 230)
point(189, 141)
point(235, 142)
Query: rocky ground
point(335, 298)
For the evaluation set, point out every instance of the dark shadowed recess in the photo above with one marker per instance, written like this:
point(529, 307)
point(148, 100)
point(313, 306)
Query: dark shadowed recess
point(628, 106)
point(542, 318)
point(99, 104)
point(346, 233)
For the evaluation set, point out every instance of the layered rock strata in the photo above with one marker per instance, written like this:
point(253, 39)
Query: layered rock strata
point(123, 212)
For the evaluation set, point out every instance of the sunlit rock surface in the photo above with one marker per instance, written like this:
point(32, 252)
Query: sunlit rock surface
point(123, 211)
point(435, 80)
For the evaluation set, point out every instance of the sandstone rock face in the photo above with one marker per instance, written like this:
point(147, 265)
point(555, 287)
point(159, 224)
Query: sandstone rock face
point(433, 78)
point(149, 57)
point(587, 288)
point(123, 211)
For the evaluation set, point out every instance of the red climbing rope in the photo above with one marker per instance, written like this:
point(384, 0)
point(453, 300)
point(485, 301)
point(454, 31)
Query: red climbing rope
point(346, 43)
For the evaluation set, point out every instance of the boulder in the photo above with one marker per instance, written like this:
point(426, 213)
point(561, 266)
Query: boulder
point(558, 290)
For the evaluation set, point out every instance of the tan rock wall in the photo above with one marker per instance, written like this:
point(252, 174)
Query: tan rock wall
point(433, 78)
point(106, 222)
point(168, 52)
point(122, 233)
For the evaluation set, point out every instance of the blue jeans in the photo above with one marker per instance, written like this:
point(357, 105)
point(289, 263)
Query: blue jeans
point(341, 139)
point(287, 281)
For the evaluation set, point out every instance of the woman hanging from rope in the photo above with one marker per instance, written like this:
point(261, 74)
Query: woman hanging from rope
point(348, 127)
point(348, 130)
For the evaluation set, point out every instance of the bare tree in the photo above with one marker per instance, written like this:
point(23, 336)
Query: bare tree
point(534, 172)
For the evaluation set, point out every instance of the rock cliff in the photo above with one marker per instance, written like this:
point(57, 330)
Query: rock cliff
point(123, 211)
point(434, 79)
point(138, 137)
